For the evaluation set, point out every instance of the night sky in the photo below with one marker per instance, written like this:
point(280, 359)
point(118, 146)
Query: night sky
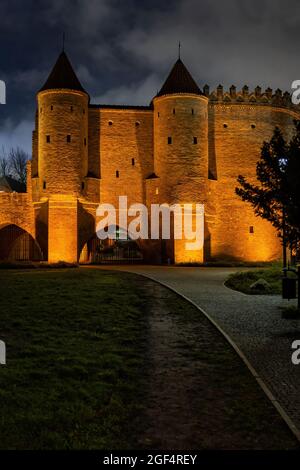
point(123, 50)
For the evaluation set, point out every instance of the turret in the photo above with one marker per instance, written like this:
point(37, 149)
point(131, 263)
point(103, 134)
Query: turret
point(180, 137)
point(62, 132)
point(181, 143)
point(62, 157)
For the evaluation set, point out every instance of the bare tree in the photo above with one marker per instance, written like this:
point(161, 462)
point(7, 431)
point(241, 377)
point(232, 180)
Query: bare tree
point(4, 163)
point(18, 159)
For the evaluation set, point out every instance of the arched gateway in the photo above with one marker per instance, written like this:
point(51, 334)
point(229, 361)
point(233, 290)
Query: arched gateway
point(122, 249)
point(16, 244)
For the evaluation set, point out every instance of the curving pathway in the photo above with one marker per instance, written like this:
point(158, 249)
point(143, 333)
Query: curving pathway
point(253, 322)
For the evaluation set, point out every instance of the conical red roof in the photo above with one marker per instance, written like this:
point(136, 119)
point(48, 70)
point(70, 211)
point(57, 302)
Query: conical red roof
point(62, 76)
point(179, 81)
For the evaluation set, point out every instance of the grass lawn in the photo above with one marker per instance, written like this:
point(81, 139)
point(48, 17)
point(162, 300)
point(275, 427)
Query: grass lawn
point(85, 347)
point(75, 351)
point(242, 281)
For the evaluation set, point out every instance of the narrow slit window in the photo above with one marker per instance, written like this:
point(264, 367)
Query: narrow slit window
point(48, 139)
point(44, 185)
point(85, 141)
point(117, 174)
point(71, 109)
point(68, 138)
point(251, 229)
point(169, 140)
point(192, 110)
point(195, 140)
point(174, 111)
point(132, 162)
point(51, 108)
point(82, 185)
point(158, 114)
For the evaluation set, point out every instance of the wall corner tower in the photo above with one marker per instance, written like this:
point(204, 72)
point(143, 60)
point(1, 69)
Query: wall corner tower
point(181, 147)
point(62, 107)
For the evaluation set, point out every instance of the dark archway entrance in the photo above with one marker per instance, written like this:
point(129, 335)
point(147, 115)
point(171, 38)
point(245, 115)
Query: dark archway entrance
point(111, 251)
point(18, 245)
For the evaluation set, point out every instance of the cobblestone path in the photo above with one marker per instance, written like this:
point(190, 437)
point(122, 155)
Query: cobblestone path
point(253, 322)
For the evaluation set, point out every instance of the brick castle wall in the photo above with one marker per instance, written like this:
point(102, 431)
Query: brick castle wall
point(126, 154)
point(236, 137)
point(125, 151)
point(62, 164)
point(181, 156)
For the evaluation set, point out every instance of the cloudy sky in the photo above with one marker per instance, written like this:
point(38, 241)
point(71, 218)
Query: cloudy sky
point(122, 50)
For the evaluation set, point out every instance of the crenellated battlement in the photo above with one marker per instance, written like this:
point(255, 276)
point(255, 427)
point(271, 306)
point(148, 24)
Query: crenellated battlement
point(13, 198)
point(257, 96)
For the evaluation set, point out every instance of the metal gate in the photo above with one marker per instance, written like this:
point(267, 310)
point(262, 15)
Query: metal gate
point(111, 252)
point(18, 245)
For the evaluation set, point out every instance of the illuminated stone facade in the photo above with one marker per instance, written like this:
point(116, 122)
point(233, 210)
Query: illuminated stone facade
point(188, 145)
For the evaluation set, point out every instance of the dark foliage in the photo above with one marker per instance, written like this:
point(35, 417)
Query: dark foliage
point(277, 197)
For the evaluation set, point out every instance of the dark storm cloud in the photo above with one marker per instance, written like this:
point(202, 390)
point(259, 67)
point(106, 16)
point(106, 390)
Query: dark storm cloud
point(122, 50)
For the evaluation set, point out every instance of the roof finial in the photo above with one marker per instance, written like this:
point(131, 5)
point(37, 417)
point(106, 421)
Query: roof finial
point(63, 42)
point(179, 47)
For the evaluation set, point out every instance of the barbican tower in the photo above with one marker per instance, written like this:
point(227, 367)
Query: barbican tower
point(181, 146)
point(62, 156)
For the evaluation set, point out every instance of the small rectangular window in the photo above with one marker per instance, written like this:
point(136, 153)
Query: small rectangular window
point(174, 111)
point(44, 185)
point(85, 141)
point(71, 109)
point(68, 138)
point(251, 229)
point(169, 140)
point(192, 111)
point(51, 108)
point(117, 174)
point(132, 162)
point(48, 139)
point(82, 185)
point(195, 140)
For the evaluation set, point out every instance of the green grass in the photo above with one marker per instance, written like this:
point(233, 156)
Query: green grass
point(75, 351)
point(242, 281)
